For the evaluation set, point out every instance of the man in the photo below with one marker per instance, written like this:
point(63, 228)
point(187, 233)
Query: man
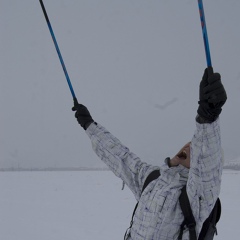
point(198, 165)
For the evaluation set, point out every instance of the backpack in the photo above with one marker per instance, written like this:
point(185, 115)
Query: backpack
point(209, 226)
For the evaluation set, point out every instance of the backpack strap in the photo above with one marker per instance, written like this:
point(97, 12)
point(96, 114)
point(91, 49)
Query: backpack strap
point(209, 228)
point(152, 176)
point(189, 220)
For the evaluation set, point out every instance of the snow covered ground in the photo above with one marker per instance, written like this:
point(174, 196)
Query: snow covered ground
point(77, 205)
point(233, 164)
point(129, 61)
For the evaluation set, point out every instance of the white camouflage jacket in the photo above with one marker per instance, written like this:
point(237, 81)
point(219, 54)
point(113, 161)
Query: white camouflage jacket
point(159, 216)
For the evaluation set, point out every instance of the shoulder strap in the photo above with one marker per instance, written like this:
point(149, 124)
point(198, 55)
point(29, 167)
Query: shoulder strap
point(209, 228)
point(189, 219)
point(152, 176)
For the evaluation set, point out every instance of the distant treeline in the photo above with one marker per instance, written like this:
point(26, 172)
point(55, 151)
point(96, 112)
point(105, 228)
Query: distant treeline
point(53, 169)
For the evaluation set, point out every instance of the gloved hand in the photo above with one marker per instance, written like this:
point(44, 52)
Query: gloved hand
point(82, 114)
point(212, 96)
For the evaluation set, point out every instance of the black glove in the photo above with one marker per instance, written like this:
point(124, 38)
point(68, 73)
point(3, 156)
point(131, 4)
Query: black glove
point(82, 114)
point(212, 97)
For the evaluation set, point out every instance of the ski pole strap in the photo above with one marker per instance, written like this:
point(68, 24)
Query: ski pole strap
point(189, 220)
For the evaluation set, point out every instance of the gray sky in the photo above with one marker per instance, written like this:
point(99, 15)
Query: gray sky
point(135, 64)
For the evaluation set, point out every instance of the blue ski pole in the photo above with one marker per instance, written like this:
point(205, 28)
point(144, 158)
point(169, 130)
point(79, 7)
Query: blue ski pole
point(59, 53)
point(204, 32)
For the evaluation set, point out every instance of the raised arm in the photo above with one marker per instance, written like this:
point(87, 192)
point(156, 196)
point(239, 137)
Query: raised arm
point(206, 164)
point(123, 163)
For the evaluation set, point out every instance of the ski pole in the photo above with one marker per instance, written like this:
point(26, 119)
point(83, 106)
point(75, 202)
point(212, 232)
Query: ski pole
point(59, 53)
point(204, 32)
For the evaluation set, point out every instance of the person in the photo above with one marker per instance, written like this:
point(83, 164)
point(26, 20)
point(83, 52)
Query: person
point(198, 165)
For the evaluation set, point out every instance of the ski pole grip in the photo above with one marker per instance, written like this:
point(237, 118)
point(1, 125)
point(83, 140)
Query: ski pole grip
point(75, 102)
point(210, 71)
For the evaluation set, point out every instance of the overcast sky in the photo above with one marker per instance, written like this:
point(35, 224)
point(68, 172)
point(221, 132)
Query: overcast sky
point(135, 64)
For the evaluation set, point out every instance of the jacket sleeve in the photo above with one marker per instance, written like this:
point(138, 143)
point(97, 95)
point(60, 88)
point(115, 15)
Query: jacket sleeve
point(203, 186)
point(123, 163)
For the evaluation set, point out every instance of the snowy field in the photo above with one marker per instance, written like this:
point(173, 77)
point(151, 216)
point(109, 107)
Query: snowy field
point(77, 205)
point(136, 65)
